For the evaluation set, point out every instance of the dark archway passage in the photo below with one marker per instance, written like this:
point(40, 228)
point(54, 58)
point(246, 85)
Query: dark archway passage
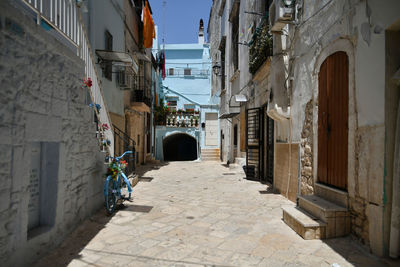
point(179, 147)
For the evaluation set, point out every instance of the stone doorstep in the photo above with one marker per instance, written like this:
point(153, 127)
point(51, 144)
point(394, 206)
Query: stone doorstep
point(336, 217)
point(209, 154)
point(322, 208)
point(210, 149)
point(303, 223)
point(210, 159)
point(334, 195)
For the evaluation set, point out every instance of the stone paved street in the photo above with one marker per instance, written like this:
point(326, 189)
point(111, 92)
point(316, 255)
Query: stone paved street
point(200, 214)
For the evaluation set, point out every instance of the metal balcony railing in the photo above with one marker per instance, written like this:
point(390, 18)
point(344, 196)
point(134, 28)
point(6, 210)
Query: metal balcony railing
point(191, 120)
point(139, 96)
point(181, 73)
point(64, 17)
point(260, 46)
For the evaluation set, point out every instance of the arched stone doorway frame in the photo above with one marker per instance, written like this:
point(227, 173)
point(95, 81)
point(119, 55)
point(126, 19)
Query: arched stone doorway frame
point(189, 134)
point(339, 45)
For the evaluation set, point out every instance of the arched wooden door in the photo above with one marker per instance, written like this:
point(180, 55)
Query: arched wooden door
point(333, 106)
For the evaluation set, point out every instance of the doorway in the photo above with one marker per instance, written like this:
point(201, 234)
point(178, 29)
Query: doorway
point(211, 130)
point(269, 149)
point(333, 106)
point(254, 144)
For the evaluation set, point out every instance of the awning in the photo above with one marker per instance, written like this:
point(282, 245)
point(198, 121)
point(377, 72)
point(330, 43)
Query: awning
point(229, 115)
point(119, 57)
point(141, 56)
point(240, 98)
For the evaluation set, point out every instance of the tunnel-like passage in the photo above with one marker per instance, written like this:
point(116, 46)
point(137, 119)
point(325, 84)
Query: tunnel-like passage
point(179, 147)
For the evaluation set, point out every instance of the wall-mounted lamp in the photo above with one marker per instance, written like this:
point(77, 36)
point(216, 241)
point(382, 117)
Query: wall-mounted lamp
point(216, 69)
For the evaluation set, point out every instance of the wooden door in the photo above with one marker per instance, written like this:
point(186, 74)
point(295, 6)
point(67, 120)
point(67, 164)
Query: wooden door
point(333, 101)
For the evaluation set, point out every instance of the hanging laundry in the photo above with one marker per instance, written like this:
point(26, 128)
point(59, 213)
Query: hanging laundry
point(163, 74)
point(148, 27)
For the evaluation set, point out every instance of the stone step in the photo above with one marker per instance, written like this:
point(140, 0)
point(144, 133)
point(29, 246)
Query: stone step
point(209, 153)
point(334, 195)
point(209, 158)
point(321, 207)
point(210, 149)
point(336, 217)
point(303, 223)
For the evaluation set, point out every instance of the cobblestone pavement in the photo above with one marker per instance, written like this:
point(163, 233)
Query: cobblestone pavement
point(200, 214)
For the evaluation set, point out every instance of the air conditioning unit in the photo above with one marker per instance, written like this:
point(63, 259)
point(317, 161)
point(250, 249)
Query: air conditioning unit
point(282, 12)
point(124, 80)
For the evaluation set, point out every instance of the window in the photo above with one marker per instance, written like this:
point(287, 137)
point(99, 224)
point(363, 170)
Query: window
point(171, 72)
point(187, 72)
point(172, 102)
point(109, 47)
point(234, 19)
point(235, 135)
point(189, 107)
point(235, 45)
point(265, 6)
point(148, 135)
point(222, 49)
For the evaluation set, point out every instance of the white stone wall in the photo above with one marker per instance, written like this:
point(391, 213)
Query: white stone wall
point(42, 100)
point(325, 27)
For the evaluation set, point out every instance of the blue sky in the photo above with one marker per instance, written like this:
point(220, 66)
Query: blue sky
point(182, 18)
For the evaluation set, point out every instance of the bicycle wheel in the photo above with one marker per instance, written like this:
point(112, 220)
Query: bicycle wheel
point(110, 198)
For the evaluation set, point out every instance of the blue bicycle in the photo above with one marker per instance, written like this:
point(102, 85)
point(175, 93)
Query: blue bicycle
point(116, 184)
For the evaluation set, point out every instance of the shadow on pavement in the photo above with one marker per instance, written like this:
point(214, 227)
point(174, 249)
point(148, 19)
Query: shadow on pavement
point(143, 169)
point(136, 208)
point(356, 254)
point(80, 237)
point(75, 242)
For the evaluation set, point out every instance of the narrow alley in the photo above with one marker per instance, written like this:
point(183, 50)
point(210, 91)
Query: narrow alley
point(200, 214)
point(249, 132)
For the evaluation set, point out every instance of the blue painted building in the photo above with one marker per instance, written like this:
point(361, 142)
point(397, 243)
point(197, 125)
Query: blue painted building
point(187, 94)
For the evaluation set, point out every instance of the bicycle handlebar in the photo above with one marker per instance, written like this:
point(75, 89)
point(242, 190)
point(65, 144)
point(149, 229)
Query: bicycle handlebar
point(120, 157)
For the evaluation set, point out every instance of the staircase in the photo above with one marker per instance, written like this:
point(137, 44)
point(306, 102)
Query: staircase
point(210, 154)
point(319, 216)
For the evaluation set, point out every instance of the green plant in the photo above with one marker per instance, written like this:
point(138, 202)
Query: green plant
point(260, 46)
point(160, 113)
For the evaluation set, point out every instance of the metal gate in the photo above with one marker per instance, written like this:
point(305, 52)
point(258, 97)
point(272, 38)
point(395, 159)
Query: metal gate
point(269, 153)
point(254, 143)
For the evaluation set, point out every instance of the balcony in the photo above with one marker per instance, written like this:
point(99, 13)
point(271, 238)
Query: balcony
point(179, 118)
point(188, 120)
point(139, 96)
point(141, 90)
point(188, 73)
point(260, 47)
